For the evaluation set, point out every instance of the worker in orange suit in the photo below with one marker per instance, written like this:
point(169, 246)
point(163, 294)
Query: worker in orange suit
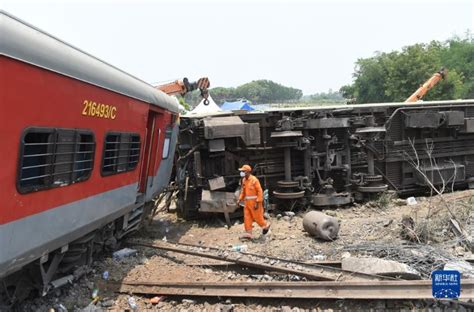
point(252, 196)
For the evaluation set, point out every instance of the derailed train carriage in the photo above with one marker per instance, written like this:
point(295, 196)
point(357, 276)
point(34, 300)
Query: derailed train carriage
point(325, 156)
point(85, 148)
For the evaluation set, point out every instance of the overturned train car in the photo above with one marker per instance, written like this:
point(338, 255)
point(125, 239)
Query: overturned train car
point(325, 156)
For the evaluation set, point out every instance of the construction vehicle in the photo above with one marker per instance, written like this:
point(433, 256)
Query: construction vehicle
point(181, 87)
point(430, 83)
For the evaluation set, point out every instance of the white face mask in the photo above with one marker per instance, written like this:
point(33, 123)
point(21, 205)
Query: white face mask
point(242, 174)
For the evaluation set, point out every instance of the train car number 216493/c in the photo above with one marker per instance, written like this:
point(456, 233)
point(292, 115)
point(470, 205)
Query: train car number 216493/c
point(100, 110)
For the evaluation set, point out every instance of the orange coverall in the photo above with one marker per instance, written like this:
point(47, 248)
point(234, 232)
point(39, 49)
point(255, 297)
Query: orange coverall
point(252, 195)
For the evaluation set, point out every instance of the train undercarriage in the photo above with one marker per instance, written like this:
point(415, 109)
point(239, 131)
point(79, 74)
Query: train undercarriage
point(324, 156)
point(69, 263)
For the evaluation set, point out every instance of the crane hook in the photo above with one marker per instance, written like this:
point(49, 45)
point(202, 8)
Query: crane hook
point(205, 95)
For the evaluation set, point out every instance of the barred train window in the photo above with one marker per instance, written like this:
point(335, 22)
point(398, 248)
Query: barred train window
point(52, 157)
point(121, 152)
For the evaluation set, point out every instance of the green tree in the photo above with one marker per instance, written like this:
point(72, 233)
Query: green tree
point(257, 92)
point(394, 76)
point(329, 97)
point(459, 56)
point(186, 106)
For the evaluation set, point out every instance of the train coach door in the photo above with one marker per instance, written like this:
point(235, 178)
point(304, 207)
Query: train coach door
point(152, 138)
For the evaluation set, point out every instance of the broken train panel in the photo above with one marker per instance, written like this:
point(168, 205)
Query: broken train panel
point(324, 156)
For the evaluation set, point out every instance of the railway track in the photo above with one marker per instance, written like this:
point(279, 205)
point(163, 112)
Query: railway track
point(308, 290)
point(310, 271)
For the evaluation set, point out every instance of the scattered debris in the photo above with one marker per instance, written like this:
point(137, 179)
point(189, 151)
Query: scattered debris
point(81, 271)
point(319, 257)
point(400, 202)
point(411, 201)
point(107, 303)
point(188, 301)
point(408, 229)
point(463, 267)
point(225, 308)
point(424, 258)
point(388, 222)
point(345, 254)
point(466, 238)
point(240, 248)
point(132, 303)
point(62, 281)
point(379, 266)
point(155, 300)
point(95, 293)
point(320, 225)
point(60, 308)
point(123, 253)
point(91, 308)
point(368, 232)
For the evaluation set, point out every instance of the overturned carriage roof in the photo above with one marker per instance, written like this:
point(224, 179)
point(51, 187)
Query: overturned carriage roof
point(26, 43)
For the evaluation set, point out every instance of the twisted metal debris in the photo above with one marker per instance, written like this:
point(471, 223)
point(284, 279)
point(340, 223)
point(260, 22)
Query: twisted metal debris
point(423, 258)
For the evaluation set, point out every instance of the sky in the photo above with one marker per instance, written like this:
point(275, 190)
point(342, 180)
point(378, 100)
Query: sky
point(309, 45)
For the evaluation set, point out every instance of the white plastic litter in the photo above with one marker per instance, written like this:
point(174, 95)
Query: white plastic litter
point(411, 201)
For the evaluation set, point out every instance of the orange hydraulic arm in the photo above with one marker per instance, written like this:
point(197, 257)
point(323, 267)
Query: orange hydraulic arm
point(430, 83)
point(181, 87)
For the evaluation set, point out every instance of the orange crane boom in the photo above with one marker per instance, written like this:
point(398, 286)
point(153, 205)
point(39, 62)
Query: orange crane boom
point(181, 87)
point(430, 83)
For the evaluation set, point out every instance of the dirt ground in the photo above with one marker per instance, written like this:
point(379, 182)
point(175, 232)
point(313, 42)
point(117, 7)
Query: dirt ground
point(374, 223)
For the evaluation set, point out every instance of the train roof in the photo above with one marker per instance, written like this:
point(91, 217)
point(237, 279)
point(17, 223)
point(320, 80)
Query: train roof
point(337, 107)
point(24, 42)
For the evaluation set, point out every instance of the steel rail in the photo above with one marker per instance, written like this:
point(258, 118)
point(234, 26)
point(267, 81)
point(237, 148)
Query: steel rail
point(334, 265)
point(319, 264)
point(419, 289)
point(319, 272)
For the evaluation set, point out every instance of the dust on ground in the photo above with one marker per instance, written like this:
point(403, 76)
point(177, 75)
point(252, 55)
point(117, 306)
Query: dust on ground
point(375, 223)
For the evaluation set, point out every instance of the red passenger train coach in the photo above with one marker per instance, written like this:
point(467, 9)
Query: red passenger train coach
point(85, 148)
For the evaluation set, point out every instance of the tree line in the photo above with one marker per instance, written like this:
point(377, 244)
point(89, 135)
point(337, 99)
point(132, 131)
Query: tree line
point(257, 92)
point(384, 77)
point(394, 76)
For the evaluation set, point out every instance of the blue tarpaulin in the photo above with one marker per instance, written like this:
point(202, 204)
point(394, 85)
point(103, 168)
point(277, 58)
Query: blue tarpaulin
point(237, 105)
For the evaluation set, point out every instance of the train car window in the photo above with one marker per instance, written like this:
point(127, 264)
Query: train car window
point(166, 144)
point(52, 157)
point(121, 152)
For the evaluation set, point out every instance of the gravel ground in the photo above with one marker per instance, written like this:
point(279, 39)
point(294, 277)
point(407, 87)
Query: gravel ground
point(376, 222)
